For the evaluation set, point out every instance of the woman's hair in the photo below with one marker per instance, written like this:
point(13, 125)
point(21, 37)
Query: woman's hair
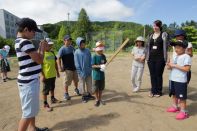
point(139, 41)
point(158, 23)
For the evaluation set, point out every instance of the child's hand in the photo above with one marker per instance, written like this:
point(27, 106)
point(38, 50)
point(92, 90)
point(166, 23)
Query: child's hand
point(171, 65)
point(42, 78)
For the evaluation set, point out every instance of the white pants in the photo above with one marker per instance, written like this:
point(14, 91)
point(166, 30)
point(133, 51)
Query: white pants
point(136, 76)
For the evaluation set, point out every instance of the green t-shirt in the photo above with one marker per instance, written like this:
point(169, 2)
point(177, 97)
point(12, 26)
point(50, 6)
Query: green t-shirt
point(48, 66)
point(98, 60)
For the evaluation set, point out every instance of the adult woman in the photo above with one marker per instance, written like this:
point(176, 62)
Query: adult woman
point(156, 56)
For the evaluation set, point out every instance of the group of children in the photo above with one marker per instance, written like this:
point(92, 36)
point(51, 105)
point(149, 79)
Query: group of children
point(86, 72)
point(180, 71)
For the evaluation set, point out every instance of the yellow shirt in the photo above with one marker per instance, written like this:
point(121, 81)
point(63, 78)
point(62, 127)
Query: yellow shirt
point(48, 66)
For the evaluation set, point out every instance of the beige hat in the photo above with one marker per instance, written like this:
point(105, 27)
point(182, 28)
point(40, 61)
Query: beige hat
point(140, 38)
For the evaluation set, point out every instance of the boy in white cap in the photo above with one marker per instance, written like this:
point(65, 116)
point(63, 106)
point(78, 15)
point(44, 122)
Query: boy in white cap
point(48, 74)
point(98, 75)
point(4, 65)
point(137, 70)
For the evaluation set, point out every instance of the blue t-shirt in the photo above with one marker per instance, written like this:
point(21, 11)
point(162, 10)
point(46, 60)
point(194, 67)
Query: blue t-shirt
point(3, 53)
point(176, 74)
point(67, 56)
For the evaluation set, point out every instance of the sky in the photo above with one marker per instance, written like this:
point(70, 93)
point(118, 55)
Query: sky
point(139, 11)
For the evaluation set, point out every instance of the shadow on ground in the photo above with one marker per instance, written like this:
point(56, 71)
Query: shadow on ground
point(82, 124)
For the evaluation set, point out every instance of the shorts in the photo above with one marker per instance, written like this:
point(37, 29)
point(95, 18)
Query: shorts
point(98, 85)
point(48, 85)
point(4, 65)
point(178, 89)
point(70, 76)
point(29, 96)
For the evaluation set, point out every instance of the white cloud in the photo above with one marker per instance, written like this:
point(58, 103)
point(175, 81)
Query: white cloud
point(51, 11)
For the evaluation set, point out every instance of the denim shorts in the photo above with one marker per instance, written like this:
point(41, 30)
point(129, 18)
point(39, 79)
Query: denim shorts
point(29, 96)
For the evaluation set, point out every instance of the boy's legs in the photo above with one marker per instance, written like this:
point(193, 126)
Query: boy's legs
point(68, 80)
point(88, 81)
point(75, 81)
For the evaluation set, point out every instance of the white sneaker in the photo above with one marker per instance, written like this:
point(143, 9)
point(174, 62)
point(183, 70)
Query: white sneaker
point(136, 89)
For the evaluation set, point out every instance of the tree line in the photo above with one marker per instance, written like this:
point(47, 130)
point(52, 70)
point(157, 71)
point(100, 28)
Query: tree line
point(112, 32)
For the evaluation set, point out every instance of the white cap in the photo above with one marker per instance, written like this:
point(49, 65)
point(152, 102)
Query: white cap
point(139, 38)
point(7, 48)
point(49, 41)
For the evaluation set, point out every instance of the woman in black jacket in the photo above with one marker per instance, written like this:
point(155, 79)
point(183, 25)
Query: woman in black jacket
point(156, 56)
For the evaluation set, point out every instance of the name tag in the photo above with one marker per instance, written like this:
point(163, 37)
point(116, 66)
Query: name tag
point(154, 47)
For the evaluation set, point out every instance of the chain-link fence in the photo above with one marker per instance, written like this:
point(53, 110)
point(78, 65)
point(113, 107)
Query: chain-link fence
point(112, 39)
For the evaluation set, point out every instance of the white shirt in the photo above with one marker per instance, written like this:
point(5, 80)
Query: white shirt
point(176, 74)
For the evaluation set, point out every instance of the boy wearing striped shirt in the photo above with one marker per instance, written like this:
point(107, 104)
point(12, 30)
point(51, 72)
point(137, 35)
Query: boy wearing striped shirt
point(29, 60)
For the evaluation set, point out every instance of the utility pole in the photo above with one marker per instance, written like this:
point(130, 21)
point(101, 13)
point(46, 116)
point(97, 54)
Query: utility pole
point(68, 24)
point(144, 31)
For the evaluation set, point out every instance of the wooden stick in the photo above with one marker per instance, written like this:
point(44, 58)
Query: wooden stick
point(117, 51)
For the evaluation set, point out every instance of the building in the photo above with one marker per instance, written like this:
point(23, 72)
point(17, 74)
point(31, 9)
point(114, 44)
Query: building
point(8, 28)
point(7, 24)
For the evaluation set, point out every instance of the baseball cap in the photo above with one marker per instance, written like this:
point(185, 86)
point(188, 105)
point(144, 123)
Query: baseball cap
point(179, 32)
point(49, 41)
point(29, 23)
point(66, 37)
point(181, 43)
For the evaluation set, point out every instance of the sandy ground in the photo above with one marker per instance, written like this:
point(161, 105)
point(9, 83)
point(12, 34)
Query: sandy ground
point(124, 110)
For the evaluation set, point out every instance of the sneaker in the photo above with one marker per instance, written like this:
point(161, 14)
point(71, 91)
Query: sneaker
point(4, 80)
point(77, 91)
point(97, 103)
point(66, 96)
point(54, 100)
point(102, 102)
point(136, 89)
point(48, 108)
point(182, 115)
point(42, 129)
point(84, 99)
point(90, 97)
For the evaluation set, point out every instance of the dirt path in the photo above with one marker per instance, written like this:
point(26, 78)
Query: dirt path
point(124, 110)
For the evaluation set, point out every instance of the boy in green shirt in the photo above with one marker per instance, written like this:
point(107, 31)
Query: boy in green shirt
point(98, 65)
point(49, 73)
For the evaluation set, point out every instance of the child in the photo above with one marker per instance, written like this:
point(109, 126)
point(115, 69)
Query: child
point(181, 35)
point(29, 61)
point(98, 65)
point(138, 53)
point(67, 65)
point(48, 75)
point(178, 79)
point(83, 66)
point(4, 65)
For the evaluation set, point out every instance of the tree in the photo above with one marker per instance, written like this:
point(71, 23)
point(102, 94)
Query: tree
point(191, 32)
point(83, 25)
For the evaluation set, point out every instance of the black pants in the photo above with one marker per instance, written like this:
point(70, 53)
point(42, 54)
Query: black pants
point(156, 69)
point(188, 76)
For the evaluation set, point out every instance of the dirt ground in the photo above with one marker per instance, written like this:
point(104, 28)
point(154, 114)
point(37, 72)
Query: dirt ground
point(124, 110)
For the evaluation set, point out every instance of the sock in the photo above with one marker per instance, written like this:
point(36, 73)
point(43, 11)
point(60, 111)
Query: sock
point(183, 110)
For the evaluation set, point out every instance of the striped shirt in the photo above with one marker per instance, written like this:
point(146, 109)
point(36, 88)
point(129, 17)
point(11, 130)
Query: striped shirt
point(28, 69)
